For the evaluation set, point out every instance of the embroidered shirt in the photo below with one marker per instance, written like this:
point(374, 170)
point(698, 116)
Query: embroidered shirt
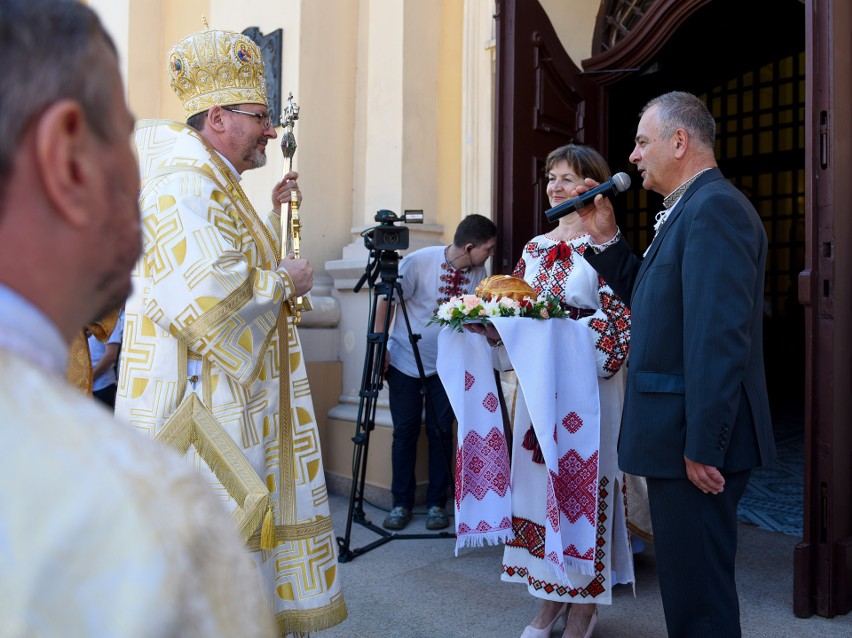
point(673, 198)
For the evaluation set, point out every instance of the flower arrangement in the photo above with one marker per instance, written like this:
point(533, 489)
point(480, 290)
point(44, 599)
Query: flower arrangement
point(469, 308)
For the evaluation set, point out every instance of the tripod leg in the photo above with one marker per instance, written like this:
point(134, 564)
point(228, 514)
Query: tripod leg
point(371, 385)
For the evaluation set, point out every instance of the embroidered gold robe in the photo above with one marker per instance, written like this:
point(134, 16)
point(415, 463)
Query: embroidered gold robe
point(212, 364)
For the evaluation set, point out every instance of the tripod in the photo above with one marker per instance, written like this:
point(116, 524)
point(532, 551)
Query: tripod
point(383, 263)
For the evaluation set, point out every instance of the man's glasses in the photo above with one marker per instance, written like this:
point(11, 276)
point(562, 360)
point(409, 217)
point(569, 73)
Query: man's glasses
point(264, 118)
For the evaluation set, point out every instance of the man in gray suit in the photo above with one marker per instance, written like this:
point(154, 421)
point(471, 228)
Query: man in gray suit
point(696, 413)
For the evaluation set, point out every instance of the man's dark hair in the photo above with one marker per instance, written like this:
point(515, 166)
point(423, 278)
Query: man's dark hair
point(474, 229)
point(197, 121)
point(679, 109)
point(53, 50)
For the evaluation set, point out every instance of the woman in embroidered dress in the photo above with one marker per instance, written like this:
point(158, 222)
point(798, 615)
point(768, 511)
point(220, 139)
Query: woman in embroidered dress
point(553, 264)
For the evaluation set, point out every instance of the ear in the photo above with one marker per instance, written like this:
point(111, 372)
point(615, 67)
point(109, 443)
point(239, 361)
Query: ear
point(680, 141)
point(65, 158)
point(214, 118)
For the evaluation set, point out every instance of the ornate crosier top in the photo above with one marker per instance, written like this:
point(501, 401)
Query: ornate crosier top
point(288, 121)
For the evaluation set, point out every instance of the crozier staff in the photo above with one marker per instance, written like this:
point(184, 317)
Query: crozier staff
point(293, 229)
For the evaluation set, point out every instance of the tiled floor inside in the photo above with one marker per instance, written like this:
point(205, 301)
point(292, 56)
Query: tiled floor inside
point(773, 499)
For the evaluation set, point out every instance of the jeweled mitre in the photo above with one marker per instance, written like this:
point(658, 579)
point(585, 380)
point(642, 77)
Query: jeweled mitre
point(216, 67)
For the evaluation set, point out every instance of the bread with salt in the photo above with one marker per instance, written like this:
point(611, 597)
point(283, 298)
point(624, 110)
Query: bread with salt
point(497, 286)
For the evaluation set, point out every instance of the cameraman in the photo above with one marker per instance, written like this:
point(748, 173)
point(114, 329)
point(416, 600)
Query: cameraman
point(428, 277)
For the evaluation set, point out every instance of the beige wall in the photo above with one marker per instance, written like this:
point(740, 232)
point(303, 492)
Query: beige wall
point(575, 25)
point(115, 16)
point(449, 123)
point(326, 93)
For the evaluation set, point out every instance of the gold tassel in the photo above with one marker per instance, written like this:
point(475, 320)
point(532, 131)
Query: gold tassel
point(267, 531)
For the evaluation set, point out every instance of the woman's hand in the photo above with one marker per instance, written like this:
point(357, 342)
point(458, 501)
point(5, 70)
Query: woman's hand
point(488, 330)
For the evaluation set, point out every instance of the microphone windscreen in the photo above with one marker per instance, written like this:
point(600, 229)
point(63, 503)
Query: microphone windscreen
point(621, 181)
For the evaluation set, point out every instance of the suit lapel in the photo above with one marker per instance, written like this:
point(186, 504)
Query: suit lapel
point(671, 220)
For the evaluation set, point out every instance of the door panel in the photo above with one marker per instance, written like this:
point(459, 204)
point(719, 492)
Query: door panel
point(542, 102)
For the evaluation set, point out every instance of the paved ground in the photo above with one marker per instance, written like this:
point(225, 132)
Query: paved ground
point(417, 588)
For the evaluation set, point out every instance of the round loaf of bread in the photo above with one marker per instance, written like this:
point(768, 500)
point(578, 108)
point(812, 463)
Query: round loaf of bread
point(497, 286)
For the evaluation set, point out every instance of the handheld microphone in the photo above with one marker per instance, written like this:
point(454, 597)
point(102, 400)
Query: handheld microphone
point(618, 183)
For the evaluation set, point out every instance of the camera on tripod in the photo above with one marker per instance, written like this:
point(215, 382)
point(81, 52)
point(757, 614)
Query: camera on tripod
point(387, 236)
point(383, 242)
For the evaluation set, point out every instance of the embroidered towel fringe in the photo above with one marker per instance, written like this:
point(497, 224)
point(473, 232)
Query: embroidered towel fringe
point(481, 540)
point(570, 564)
point(585, 567)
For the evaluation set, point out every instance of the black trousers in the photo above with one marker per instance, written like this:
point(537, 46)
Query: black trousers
point(406, 407)
point(695, 541)
point(106, 395)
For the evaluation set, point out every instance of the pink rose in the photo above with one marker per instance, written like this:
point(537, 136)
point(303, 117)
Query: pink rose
point(471, 301)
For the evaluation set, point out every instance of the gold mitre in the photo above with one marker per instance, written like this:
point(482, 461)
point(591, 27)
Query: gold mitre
point(216, 67)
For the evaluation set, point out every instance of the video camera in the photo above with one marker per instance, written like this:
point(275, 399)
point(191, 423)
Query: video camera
point(387, 236)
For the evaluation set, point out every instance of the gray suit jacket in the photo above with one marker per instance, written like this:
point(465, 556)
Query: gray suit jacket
point(695, 382)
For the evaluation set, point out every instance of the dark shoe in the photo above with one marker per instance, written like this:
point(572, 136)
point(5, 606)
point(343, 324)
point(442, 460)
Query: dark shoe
point(436, 518)
point(398, 518)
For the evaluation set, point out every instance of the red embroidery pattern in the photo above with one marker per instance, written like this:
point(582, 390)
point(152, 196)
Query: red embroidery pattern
point(594, 588)
point(551, 507)
point(602, 520)
point(575, 486)
point(483, 527)
point(573, 551)
point(469, 380)
point(613, 330)
point(556, 264)
point(487, 464)
point(452, 283)
point(530, 536)
point(491, 402)
point(611, 322)
point(572, 422)
point(459, 469)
